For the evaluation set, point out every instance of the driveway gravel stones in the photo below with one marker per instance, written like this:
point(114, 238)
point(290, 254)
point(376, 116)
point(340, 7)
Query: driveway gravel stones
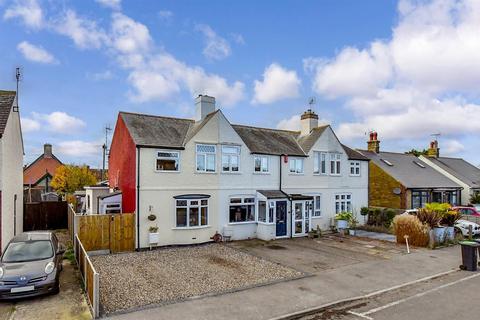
point(137, 279)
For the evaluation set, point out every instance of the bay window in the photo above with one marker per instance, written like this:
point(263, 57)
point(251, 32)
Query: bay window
point(296, 165)
point(242, 209)
point(191, 212)
point(261, 164)
point(230, 158)
point(168, 160)
point(206, 157)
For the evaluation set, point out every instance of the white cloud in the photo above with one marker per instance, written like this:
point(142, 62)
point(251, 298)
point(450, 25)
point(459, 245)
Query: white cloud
point(59, 122)
point(35, 53)
point(165, 15)
point(216, 47)
point(112, 4)
point(422, 80)
point(85, 33)
point(128, 35)
point(29, 11)
point(238, 38)
point(292, 123)
point(100, 76)
point(30, 125)
point(451, 147)
point(278, 83)
point(78, 148)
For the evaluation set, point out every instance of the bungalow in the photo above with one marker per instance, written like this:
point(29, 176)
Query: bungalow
point(11, 168)
point(199, 177)
point(456, 169)
point(403, 181)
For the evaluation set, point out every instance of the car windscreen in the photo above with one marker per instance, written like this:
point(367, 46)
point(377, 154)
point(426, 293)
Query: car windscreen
point(28, 251)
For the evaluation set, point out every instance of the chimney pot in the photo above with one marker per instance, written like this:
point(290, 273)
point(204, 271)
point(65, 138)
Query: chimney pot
point(373, 145)
point(47, 150)
point(434, 150)
point(309, 121)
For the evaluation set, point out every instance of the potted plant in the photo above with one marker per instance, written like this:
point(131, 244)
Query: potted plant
point(432, 215)
point(353, 225)
point(449, 219)
point(153, 235)
point(364, 212)
point(342, 219)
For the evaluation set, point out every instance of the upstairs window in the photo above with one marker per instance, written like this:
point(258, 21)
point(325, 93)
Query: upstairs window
point(319, 163)
point(355, 168)
point(230, 158)
point(242, 209)
point(168, 160)
point(261, 164)
point(206, 157)
point(296, 165)
point(335, 163)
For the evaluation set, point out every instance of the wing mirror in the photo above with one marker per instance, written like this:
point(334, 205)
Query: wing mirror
point(61, 249)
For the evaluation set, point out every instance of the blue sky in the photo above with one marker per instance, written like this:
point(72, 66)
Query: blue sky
point(404, 68)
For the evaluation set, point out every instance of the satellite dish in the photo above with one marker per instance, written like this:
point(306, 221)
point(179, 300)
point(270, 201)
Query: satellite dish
point(397, 191)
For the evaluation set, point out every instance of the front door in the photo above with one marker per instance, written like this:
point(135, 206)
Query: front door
point(301, 217)
point(281, 218)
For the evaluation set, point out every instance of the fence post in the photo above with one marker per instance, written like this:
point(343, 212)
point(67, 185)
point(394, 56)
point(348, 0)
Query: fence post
point(96, 293)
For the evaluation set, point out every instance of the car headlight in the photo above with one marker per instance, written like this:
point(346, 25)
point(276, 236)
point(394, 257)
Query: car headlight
point(1, 272)
point(49, 267)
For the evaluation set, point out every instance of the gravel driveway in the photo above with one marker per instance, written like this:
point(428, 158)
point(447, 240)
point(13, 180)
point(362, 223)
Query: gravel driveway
point(134, 280)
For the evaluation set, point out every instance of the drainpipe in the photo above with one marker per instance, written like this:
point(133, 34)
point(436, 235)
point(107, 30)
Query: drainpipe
point(138, 198)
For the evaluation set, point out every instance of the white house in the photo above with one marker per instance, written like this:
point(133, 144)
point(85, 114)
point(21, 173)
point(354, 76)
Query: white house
point(456, 169)
point(11, 168)
point(203, 176)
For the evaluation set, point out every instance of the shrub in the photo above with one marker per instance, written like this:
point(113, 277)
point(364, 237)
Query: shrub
point(411, 226)
point(383, 218)
point(450, 218)
point(429, 217)
point(475, 198)
point(344, 216)
point(389, 214)
point(441, 208)
point(364, 211)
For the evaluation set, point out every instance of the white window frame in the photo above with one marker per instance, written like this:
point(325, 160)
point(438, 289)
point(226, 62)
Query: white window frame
point(295, 161)
point(336, 159)
point(230, 155)
point(320, 158)
point(205, 155)
point(262, 158)
point(243, 203)
point(188, 206)
point(317, 210)
point(356, 166)
point(162, 157)
point(345, 202)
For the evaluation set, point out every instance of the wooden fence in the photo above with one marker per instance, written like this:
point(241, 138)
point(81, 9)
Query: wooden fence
point(46, 215)
point(90, 277)
point(112, 232)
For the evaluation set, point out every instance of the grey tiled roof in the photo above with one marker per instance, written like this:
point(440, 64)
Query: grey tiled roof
point(270, 141)
point(155, 131)
point(461, 169)
point(353, 154)
point(273, 194)
point(6, 102)
point(307, 141)
point(407, 172)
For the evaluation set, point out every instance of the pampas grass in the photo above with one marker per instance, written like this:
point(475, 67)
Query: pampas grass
point(418, 233)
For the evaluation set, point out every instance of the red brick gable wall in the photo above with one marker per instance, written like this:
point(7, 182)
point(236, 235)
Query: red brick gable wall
point(122, 165)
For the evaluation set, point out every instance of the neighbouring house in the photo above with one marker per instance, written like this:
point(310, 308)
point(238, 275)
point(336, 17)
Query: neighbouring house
point(203, 176)
point(456, 169)
point(11, 168)
point(100, 199)
point(403, 181)
point(39, 174)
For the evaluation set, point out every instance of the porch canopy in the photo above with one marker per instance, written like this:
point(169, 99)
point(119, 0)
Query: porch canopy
point(279, 194)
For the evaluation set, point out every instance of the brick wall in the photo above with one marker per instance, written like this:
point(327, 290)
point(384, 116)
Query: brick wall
point(381, 186)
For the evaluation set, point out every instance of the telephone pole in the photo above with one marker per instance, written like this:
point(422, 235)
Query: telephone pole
point(105, 150)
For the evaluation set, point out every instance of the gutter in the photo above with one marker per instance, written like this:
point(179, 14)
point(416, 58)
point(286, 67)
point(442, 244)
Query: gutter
point(138, 198)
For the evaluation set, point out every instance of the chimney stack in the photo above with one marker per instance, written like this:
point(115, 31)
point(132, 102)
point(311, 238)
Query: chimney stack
point(309, 120)
point(373, 144)
point(204, 105)
point(47, 150)
point(434, 150)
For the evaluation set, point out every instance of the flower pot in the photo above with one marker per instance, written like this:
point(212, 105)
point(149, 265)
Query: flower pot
point(153, 237)
point(351, 232)
point(439, 234)
point(342, 224)
point(450, 233)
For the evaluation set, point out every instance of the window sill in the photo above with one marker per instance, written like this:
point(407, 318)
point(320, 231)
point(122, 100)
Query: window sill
point(228, 172)
point(317, 217)
point(191, 228)
point(166, 171)
point(355, 175)
point(262, 173)
point(320, 174)
point(243, 222)
point(205, 172)
point(266, 223)
point(296, 174)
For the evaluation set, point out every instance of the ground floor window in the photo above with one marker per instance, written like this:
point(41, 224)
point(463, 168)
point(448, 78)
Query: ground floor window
point(317, 206)
point(343, 202)
point(242, 209)
point(450, 197)
point(266, 214)
point(191, 212)
point(420, 199)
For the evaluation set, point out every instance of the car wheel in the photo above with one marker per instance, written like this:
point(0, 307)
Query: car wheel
point(56, 289)
point(458, 235)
